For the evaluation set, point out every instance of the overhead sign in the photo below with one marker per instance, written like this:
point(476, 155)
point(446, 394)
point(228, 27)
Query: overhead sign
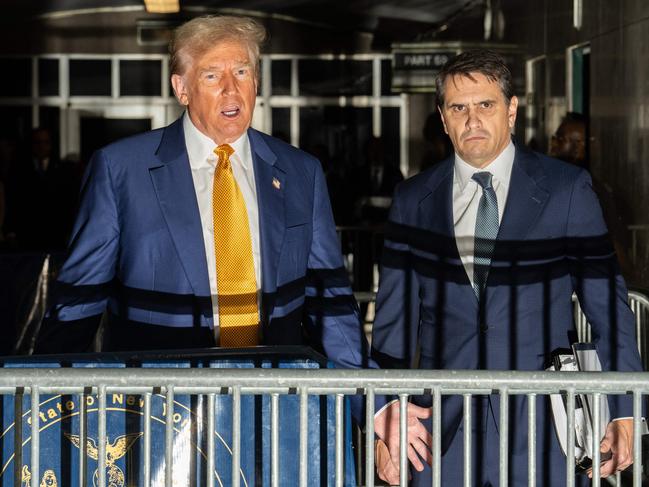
point(414, 68)
point(427, 61)
point(415, 65)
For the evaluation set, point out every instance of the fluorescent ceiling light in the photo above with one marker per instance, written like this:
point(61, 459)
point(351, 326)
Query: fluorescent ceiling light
point(162, 6)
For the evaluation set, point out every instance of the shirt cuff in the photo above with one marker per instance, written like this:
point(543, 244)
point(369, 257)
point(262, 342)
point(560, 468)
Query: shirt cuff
point(385, 406)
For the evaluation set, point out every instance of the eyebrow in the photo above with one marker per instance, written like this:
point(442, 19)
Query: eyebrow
point(488, 100)
point(217, 67)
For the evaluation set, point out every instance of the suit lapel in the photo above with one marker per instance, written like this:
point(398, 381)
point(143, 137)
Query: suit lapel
point(525, 202)
point(270, 179)
point(435, 212)
point(435, 215)
point(174, 187)
point(525, 199)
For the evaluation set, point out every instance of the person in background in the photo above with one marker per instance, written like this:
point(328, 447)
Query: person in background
point(570, 144)
point(42, 192)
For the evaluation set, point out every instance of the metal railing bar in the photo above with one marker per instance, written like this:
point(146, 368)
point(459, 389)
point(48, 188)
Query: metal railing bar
point(169, 435)
point(637, 439)
point(403, 440)
point(35, 435)
point(340, 432)
point(147, 439)
point(236, 435)
point(211, 427)
point(437, 434)
point(274, 440)
point(503, 431)
point(570, 435)
point(531, 440)
point(468, 425)
point(369, 438)
point(304, 437)
point(83, 433)
point(254, 381)
point(101, 436)
point(597, 434)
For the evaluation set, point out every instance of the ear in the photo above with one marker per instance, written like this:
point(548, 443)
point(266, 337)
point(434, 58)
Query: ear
point(180, 89)
point(441, 114)
point(511, 111)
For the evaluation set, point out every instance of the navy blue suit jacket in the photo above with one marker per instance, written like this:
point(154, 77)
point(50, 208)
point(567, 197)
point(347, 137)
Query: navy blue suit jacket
point(552, 241)
point(137, 247)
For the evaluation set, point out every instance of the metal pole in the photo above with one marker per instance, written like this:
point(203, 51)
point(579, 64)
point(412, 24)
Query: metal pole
point(597, 435)
point(211, 399)
point(403, 439)
point(304, 437)
point(467, 440)
point(437, 434)
point(83, 436)
point(531, 440)
point(169, 436)
point(637, 439)
point(274, 440)
point(35, 398)
point(504, 436)
point(236, 435)
point(101, 440)
point(147, 439)
point(369, 438)
point(340, 457)
point(570, 434)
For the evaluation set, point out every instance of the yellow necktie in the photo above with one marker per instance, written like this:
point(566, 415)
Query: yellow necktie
point(235, 270)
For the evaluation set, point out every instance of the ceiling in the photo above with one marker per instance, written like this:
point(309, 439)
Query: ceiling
point(392, 20)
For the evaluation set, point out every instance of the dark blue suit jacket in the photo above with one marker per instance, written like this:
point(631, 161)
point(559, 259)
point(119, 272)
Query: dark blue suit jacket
point(552, 241)
point(137, 246)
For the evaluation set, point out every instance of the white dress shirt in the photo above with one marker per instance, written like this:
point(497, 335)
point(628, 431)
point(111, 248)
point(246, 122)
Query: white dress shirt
point(202, 160)
point(466, 197)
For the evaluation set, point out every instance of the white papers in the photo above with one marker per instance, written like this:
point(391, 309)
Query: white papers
point(583, 358)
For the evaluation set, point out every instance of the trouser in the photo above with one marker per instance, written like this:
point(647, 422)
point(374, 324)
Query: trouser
point(484, 466)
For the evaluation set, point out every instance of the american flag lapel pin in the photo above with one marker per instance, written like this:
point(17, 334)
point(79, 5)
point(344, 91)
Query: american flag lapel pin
point(276, 183)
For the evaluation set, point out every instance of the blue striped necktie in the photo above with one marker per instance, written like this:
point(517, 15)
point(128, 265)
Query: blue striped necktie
point(486, 231)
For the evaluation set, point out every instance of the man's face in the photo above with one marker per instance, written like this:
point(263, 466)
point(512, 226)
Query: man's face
point(569, 143)
point(477, 118)
point(219, 89)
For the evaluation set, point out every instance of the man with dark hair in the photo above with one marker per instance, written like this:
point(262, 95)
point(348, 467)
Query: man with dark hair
point(483, 254)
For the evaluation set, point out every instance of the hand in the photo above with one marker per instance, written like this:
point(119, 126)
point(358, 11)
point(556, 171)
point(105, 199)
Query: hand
point(419, 440)
point(388, 471)
point(619, 441)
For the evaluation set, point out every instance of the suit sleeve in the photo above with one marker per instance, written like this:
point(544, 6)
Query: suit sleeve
point(600, 288)
point(396, 324)
point(82, 286)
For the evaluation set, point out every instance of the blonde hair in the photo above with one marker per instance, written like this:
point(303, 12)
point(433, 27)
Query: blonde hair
point(197, 36)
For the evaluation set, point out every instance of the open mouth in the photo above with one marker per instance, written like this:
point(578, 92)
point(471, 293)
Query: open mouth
point(230, 112)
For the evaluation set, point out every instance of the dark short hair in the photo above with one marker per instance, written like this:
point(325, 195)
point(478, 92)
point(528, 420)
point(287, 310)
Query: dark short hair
point(483, 61)
point(576, 118)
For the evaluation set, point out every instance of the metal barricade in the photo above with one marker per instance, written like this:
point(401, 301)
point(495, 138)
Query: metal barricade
point(639, 304)
point(171, 382)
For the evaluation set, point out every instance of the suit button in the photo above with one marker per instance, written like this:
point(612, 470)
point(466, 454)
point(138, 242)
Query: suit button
point(483, 327)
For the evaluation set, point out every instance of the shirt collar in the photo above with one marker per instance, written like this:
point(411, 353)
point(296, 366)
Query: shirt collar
point(500, 168)
point(200, 148)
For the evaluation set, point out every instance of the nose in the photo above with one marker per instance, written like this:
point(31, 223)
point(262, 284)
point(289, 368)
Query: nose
point(472, 119)
point(228, 83)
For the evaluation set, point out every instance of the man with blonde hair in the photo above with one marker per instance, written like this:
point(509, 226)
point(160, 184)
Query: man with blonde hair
point(206, 232)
